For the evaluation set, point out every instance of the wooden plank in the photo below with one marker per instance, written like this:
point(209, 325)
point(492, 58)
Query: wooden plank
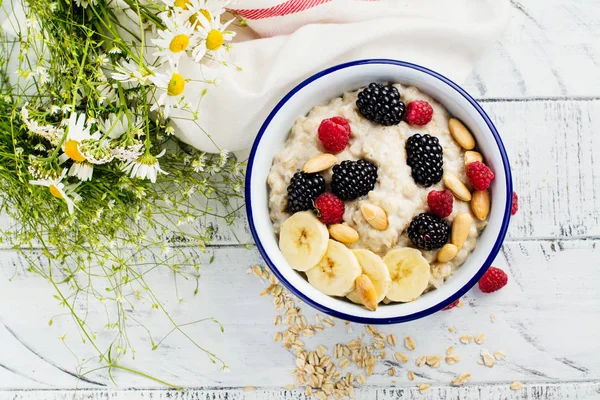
point(543, 324)
point(546, 391)
point(550, 49)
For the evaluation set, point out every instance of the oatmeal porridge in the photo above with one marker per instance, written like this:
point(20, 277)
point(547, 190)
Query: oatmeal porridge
point(377, 201)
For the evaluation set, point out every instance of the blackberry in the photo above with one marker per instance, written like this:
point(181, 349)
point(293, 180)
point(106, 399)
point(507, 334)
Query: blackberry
point(381, 104)
point(428, 231)
point(303, 190)
point(425, 157)
point(352, 179)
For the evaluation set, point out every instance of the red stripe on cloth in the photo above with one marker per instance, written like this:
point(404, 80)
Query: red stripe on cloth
point(285, 8)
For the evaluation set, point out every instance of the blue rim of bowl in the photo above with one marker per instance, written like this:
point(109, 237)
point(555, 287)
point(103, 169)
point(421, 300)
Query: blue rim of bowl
point(438, 306)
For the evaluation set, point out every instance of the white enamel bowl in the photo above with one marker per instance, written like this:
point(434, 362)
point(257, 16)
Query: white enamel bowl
point(327, 85)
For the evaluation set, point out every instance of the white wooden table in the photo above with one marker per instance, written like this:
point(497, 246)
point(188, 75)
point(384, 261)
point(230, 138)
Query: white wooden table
point(541, 86)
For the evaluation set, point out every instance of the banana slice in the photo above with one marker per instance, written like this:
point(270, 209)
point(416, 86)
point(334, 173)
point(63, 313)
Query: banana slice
point(373, 267)
point(336, 272)
point(409, 272)
point(303, 240)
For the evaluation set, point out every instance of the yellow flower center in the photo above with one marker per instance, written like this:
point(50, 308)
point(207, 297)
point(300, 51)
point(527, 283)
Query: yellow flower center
point(194, 18)
point(55, 192)
point(182, 4)
point(179, 43)
point(176, 85)
point(72, 151)
point(214, 40)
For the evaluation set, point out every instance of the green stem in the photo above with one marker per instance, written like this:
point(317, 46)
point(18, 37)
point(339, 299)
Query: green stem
point(75, 90)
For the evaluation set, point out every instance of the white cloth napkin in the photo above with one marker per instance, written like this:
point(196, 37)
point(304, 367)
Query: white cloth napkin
point(294, 39)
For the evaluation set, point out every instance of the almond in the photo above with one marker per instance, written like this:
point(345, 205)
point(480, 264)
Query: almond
point(447, 253)
point(480, 204)
point(461, 226)
point(461, 134)
point(366, 292)
point(343, 233)
point(375, 216)
point(320, 163)
point(456, 186)
point(471, 156)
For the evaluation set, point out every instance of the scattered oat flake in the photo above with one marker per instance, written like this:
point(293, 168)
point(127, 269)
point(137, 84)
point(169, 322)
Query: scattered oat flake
point(361, 379)
point(249, 389)
point(460, 303)
point(410, 343)
point(403, 358)
point(423, 387)
point(492, 318)
point(460, 379)
point(479, 339)
point(466, 339)
point(257, 271)
point(411, 376)
point(321, 350)
point(392, 340)
point(278, 337)
point(499, 355)
point(452, 359)
point(344, 363)
point(488, 360)
point(391, 372)
point(420, 361)
point(451, 329)
point(516, 385)
point(371, 330)
point(433, 361)
point(450, 350)
point(288, 387)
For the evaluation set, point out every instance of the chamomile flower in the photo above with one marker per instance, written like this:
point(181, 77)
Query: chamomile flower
point(199, 11)
point(77, 131)
point(128, 71)
point(170, 87)
point(108, 93)
point(82, 171)
point(145, 167)
point(214, 36)
point(115, 50)
point(115, 128)
point(129, 152)
point(85, 3)
point(174, 41)
point(178, 5)
point(59, 190)
point(49, 132)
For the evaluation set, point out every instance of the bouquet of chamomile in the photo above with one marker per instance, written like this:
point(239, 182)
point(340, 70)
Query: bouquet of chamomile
point(93, 182)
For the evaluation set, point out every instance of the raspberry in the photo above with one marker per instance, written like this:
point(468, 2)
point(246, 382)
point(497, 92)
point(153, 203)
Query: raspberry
point(493, 279)
point(515, 204)
point(334, 133)
point(451, 305)
point(418, 112)
point(479, 175)
point(330, 208)
point(440, 202)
